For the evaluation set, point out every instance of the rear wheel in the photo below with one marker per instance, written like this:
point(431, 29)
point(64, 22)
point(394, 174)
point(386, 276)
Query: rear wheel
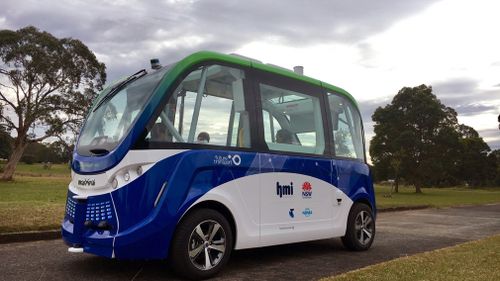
point(202, 244)
point(360, 228)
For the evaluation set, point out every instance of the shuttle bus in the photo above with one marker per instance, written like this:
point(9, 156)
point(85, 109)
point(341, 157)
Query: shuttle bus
point(216, 153)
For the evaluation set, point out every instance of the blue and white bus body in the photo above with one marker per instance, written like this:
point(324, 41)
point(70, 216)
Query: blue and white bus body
point(128, 202)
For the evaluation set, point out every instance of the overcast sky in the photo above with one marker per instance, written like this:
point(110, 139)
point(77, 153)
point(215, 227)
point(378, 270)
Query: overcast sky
point(370, 48)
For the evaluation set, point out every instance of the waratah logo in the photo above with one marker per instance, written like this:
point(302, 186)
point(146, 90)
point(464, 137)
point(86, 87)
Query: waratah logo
point(306, 190)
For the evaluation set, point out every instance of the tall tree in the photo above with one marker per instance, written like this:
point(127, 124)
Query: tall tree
point(416, 136)
point(46, 83)
point(495, 158)
point(476, 168)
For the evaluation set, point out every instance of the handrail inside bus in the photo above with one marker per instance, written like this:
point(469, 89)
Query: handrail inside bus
point(197, 105)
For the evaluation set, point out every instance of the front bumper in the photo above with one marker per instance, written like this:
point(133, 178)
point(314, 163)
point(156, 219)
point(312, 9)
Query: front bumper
point(146, 238)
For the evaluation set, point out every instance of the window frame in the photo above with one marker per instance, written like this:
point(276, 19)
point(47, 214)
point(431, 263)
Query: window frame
point(275, 80)
point(254, 77)
point(141, 143)
point(356, 111)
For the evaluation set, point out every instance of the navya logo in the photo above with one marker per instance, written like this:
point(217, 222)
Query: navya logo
point(284, 190)
point(307, 212)
point(307, 190)
point(85, 182)
point(228, 160)
point(291, 214)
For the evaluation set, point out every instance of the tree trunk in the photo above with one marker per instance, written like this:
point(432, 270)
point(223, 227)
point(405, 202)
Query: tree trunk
point(14, 158)
point(396, 185)
point(418, 189)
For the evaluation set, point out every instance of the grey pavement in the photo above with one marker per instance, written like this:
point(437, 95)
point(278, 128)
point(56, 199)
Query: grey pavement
point(398, 234)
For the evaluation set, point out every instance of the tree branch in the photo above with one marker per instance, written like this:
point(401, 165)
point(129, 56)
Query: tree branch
point(11, 124)
point(3, 98)
point(41, 138)
point(6, 86)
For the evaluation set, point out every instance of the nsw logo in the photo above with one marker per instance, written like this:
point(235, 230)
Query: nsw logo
point(306, 190)
point(284, 190)
point(307, 212)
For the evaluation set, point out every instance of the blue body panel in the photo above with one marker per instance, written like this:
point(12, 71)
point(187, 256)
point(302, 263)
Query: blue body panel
point(142, 231)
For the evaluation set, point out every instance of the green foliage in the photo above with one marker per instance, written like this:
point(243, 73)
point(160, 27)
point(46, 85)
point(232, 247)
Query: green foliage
point(40, 153)
point(5, 143)
point(47, 83)
point(419, 140)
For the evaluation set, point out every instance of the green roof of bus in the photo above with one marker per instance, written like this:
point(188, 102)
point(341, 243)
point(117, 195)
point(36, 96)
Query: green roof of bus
point(201, 56)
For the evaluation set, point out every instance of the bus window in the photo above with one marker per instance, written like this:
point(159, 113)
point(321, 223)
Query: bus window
point(346, 122)
point(207, 107)
point(292, 121)
point(271, 126)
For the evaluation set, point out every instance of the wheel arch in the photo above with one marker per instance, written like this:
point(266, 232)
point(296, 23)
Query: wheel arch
point(365, 199)
point(219, 207)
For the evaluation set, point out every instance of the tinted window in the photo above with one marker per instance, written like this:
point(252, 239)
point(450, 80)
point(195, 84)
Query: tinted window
point(208, 107)
point(347, 134)
point(292, 120)
point(110, 121)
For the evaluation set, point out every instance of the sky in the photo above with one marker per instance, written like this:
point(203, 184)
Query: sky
point(370, 48)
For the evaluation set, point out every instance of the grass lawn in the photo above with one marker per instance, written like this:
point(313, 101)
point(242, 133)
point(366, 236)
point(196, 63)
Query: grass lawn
point(37, 170)
point(436, 197)
point(32, 203)
point(476, 260)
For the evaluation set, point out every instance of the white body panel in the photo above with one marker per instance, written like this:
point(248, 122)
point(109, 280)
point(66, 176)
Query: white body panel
point(262, 217)
point(90, 185)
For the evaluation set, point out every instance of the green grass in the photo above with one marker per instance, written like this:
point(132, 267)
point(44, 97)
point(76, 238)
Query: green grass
point(476, 260)
point(32, 203)
point(436, 197)
point(37, 170)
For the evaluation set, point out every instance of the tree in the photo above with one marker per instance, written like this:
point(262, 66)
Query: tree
point(415, 136)
point(476, 168)
point(47, 84)
point(495, 158)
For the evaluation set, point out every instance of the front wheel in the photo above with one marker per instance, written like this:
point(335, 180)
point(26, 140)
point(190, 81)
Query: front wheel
point(202, 244)
point(360, 228)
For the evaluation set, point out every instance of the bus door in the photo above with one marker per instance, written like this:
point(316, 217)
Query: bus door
point(297, 196)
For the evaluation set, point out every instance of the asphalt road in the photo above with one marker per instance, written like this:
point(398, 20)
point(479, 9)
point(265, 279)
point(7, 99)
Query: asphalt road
point(398, 234)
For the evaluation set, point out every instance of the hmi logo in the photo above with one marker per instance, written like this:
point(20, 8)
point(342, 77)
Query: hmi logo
point(284, 190)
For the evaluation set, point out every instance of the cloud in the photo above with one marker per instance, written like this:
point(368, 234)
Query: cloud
point(466, 97)
point(492, 137)
point(368, 107)
point(126, 34)
point(455, 87)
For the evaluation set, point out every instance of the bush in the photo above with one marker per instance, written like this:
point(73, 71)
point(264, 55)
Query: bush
point(28, 159)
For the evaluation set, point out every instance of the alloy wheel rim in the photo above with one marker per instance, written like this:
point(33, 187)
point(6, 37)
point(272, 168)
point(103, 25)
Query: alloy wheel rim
point(364, 228)
point(207, 245)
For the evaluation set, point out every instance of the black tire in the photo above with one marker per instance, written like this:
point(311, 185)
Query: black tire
point(360, 228)
point(203, 233)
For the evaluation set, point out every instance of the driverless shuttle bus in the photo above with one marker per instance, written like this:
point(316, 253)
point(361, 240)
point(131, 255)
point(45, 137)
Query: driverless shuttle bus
point(216, 153)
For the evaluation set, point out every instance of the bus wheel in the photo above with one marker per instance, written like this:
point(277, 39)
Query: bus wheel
point(360, 228)
point(202, 244)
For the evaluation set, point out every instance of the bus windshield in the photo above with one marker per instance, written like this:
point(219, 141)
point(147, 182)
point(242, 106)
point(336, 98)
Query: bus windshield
point(115, 113)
